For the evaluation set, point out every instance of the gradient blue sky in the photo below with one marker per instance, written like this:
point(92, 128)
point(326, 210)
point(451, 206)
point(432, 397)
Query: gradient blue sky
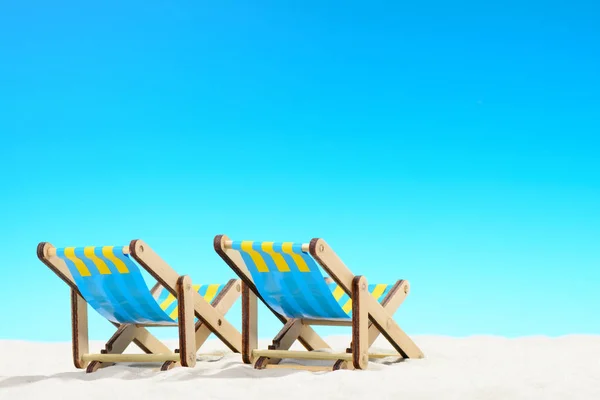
point(454, 145)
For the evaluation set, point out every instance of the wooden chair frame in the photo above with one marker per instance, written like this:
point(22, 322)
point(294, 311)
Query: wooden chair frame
point(211, 316)
point(369, 317)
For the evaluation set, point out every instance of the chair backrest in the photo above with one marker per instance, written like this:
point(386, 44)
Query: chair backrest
point(289, 280)
point(113, 285)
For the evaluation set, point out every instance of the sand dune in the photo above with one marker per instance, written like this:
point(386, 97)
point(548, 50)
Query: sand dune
point(471, 368)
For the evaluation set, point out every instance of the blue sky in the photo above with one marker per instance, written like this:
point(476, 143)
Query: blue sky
point(455, 146)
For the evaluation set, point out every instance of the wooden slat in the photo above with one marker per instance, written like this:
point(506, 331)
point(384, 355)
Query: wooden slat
point(228, 244)
point(249, 324)
point(79, 328)
point(382, 355)
point(303, 355)
point(185, 318)
point(131, 357)
point(360, 323)
point(311, 368)
point(285, 338)
point(326, 322)
point(52, 251)
point(288, 334)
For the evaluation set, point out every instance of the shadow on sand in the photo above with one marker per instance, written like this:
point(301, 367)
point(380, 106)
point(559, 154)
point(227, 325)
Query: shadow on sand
point(226, 370)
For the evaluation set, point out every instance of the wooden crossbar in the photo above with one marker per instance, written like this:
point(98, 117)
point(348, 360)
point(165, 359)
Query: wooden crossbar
point(112, 358)
point(311, 368)
point(228, 244)
point(326, 322)
point(383, 355)
point(303, 355)
point(314, 355)
point(51, 252)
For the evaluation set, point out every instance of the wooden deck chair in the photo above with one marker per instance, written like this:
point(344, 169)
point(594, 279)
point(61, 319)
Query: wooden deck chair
point(287, 278)
point(109, 281)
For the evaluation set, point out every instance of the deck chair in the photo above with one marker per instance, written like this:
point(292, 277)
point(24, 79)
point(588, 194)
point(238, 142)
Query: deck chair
point(287, 279)
point(109, 281)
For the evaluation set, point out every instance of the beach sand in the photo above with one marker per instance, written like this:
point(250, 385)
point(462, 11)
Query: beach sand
point(478, 367)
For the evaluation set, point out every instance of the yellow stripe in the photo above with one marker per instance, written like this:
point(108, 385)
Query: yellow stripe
point(167, 302)
point(255, 255)
point(378, 291)
point(101, 265)
point(174, 314)
point(107, 251)
point(211, 291)
point(338, 293)
point(196, 288)
point(300, 263)
point(80, 265)
point(282, 266)
point(348, 306)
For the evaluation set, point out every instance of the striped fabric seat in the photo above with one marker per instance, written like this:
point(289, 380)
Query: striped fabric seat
point(112, 283)
point(291, 282)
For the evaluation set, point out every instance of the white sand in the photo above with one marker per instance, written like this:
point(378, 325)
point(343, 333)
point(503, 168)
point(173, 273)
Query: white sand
point(471, 368)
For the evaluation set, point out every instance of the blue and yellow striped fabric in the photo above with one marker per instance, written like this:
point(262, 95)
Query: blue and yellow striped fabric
point(379, 291)
point(168, 302)
point(291, 282)
point(113, 285)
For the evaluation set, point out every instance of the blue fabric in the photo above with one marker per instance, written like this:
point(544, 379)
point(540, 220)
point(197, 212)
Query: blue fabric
point(119, 297)
point(293, 293)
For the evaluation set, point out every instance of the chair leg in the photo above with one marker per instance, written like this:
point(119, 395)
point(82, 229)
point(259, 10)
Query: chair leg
point(187, 334)
point(249, 324)
point(79, 329)
point(360, 323)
